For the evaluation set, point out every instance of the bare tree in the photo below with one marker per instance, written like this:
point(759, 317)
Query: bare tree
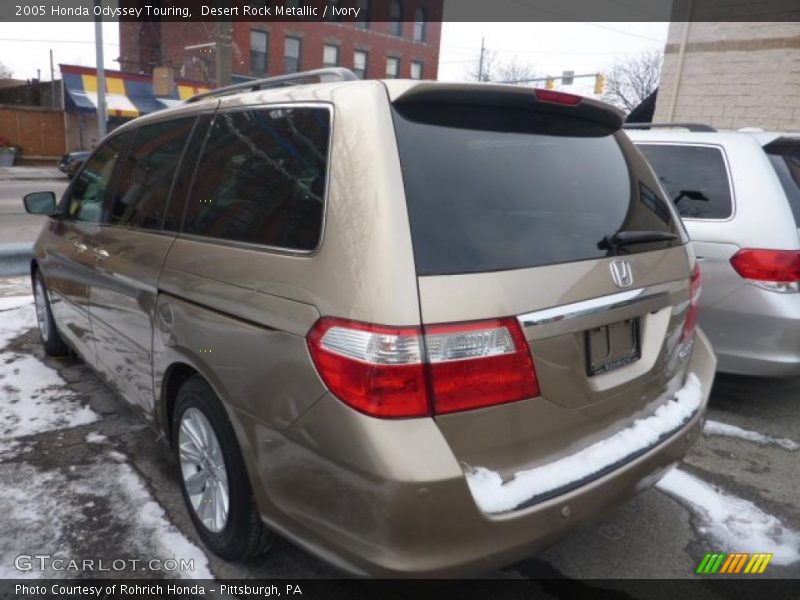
point(515, 70)
point(631, 80)
point(5, 72)
point(496, 69)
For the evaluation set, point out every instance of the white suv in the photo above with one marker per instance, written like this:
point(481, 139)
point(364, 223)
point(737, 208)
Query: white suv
point(739, 195)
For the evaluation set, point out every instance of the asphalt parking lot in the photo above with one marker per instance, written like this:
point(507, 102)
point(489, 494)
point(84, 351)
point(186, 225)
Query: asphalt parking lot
point(83, 477)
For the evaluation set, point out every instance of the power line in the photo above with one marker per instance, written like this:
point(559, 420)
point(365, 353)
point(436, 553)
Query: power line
point(56, 41)
point(571, 18)
point(554, 52)
point(622, 31)
point(639, 9)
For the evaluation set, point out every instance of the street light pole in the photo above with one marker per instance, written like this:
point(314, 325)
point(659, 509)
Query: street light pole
point(52, 81)
point(101, 76)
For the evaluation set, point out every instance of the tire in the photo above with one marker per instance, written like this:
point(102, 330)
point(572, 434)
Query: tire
point(51, 339)
point(209, 471)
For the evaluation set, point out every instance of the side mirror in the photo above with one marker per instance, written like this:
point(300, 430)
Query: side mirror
point(40, 203)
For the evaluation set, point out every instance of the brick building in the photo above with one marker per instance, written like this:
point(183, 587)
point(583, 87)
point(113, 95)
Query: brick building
point(406, 45)
point(732, 75)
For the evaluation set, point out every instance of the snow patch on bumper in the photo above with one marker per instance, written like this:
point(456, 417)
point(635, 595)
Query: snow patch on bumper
point(493, 495)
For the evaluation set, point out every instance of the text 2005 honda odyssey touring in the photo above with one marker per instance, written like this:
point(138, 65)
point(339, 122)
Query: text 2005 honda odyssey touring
point(417, 328)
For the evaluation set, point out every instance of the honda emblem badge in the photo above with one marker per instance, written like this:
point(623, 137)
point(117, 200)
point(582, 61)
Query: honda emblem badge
point(621, 273)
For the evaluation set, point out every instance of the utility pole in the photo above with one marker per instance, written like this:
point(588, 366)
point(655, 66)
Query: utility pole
point(224, 58)
point(101, 76)
point(480, 63)
point(52, 81)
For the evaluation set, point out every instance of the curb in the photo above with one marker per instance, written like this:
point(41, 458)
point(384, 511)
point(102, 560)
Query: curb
point(15, 259)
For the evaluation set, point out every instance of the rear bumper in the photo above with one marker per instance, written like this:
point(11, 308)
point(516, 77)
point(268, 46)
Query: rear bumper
point(755, 332)
point(388, 498)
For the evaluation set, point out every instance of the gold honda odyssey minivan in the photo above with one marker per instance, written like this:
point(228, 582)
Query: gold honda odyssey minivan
point(418, 328)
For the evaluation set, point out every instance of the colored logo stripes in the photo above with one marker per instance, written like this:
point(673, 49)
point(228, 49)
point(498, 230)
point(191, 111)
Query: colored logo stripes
point(734, 563)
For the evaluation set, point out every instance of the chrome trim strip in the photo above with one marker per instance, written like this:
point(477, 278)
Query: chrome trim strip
point(588, 307)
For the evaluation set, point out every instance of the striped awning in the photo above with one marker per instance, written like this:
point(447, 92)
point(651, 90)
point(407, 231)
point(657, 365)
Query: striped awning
point(127, 95)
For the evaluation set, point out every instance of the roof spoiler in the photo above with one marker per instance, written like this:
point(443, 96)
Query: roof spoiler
point(782, 145)
point(697, 127)
point(489, 94)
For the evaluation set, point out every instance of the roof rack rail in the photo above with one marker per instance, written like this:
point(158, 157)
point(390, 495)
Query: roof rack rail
point(324, 75)
point(689, 126)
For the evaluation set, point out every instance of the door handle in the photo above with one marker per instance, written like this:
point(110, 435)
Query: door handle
point(80, 246)
point(101, 253)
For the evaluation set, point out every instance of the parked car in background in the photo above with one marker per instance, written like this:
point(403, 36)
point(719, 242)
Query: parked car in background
point(418, 328)
point(71, 162)
point(739, 195)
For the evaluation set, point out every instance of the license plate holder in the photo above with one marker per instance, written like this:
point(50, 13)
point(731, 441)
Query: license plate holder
point(611, 347)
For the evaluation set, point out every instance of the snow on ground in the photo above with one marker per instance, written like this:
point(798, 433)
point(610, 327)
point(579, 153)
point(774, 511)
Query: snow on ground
point(495, 496)
point(95, 438)
point(15, 286)
point(719, 428)
point(156, 529)
point(77, 512)
point(81, 513)
point(16, 318)
point(737, 524)
point(7, 303)
point(33, 396)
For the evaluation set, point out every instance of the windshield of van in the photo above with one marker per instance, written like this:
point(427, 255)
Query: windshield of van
point(498, 188)
point(785, 158)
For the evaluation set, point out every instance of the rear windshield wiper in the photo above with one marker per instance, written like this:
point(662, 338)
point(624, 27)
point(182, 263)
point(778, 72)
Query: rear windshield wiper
point(692, 195)
point(627, 238)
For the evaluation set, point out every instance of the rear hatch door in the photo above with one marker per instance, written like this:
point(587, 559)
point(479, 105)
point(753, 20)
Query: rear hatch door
point(513, 202)
point(784, 154)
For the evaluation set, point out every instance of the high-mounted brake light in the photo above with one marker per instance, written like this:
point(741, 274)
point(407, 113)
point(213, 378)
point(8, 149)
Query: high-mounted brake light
point(695, 287)
point(403, 372)
point(554, 97)
point(774, 270)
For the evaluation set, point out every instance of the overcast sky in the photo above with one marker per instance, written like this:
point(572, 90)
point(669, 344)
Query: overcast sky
point(549, 47)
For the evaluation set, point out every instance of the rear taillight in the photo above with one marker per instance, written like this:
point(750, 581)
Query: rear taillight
point(774, 270)
point(377, 370)
point(478, 364)
point(694, 304)
point(401, 372)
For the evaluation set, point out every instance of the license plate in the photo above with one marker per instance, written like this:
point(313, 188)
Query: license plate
point(612, 346)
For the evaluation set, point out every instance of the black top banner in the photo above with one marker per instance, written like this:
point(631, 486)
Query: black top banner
point(391, 10)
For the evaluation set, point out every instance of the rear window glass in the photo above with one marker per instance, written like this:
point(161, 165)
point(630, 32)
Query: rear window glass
point(261, 178)
point(492, 189)
point(695, 178)
point(787, 166)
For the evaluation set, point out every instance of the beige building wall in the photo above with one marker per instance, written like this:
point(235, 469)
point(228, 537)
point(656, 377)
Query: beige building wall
point(733, 75)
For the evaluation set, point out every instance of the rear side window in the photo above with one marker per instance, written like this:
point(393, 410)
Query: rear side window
point(695, 177)
point(261, 178)
point(786, 162)
point(498, 188)
point(144, 179)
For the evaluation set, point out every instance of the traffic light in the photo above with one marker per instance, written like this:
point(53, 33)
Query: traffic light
point(550, 84)
point(599, 84)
